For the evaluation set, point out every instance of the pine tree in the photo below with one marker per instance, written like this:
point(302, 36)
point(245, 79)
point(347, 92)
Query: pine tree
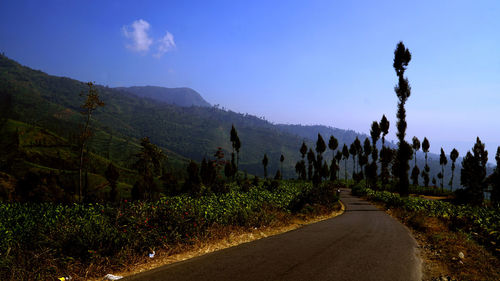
point(303, 152)
point(345, 155)
point(425, 173)
point(265, 161)
point(416, 147)
point(298, 169)
point(236, 144)
point(416, 171)
point(402, 57)
point(311, 159)
point(148, 164)
point(495, 192)
point(473, 173)
point(282, 158)
point(333, 170)
point(384, 160)
point(353, 152)
point(237, 147)
point(333, 143)
point(320, 145)
point(91, 103)
point(338, 158)
point(359, 149)
point(442, 161)
point(440, 177)
point(371, 176)
point(367, 147)
point(453, 158)
point(320, 148)
point(324, 170)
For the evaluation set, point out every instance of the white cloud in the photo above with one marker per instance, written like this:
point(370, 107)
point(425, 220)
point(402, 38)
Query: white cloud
point(137, 32)
point(165, 44)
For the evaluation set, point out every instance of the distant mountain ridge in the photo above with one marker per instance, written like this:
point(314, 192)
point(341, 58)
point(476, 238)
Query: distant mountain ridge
point(311, 132)
point(193, 132)
point(184, 97)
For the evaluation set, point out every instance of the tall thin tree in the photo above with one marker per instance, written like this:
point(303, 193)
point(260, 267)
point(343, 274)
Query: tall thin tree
point(359, 149)
point(372, 171)
point(442, 161)
point(303, 152)
point(495, 192)
point(384, 160)
point(320, 148)
point(345, 155)
point(402, 57)
point(453, 157)
point(282, 158)
point(353, 152)
point(367, 147)
point(311, 159)
point(265, 161)
point(425, 173)
point(92, 101)
point(236, 144)
point(333, 143)
point(338, 158)
point(415, 171)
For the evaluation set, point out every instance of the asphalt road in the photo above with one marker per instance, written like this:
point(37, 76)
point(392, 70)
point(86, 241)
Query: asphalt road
point(364, 243)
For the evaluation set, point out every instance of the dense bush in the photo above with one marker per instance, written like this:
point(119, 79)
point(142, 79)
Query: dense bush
point(324, 194)
point(93, 232)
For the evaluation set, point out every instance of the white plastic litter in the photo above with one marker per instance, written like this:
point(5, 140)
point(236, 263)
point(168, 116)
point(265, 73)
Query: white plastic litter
point(152, 255)
point(112, 277)
point(461, 255)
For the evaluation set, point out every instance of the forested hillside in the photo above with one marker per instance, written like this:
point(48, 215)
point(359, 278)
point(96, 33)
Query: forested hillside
point(177, 96)
point(194, 132)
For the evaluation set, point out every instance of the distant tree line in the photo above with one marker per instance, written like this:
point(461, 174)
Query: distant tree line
point(385, 169)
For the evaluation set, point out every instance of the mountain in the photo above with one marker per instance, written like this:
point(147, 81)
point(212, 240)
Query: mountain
point(185, 97)
point(311, 132)
point(53, 103)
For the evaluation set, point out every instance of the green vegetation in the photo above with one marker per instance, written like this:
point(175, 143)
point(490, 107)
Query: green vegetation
point(72, 237)
point(402, 57)
point(149, 152)
point(482, 223)
point(179, 96)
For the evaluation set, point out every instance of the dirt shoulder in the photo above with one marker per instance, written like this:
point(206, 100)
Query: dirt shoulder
point(448, 254)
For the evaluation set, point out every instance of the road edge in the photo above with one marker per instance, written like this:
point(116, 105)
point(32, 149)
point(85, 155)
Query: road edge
point(163, 258)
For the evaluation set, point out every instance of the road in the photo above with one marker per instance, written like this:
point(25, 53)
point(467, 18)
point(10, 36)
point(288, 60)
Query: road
point(364, 243)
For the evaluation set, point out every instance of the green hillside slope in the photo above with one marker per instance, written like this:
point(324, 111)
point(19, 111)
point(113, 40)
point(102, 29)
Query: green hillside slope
point(176, 96)
point(50, 102)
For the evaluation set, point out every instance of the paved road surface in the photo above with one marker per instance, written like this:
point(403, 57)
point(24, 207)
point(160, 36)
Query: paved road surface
point(362, 244)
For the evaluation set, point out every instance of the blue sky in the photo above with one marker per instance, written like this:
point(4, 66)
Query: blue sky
point(309, 62)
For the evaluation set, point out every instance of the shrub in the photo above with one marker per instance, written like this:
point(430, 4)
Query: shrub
point(94, 233)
